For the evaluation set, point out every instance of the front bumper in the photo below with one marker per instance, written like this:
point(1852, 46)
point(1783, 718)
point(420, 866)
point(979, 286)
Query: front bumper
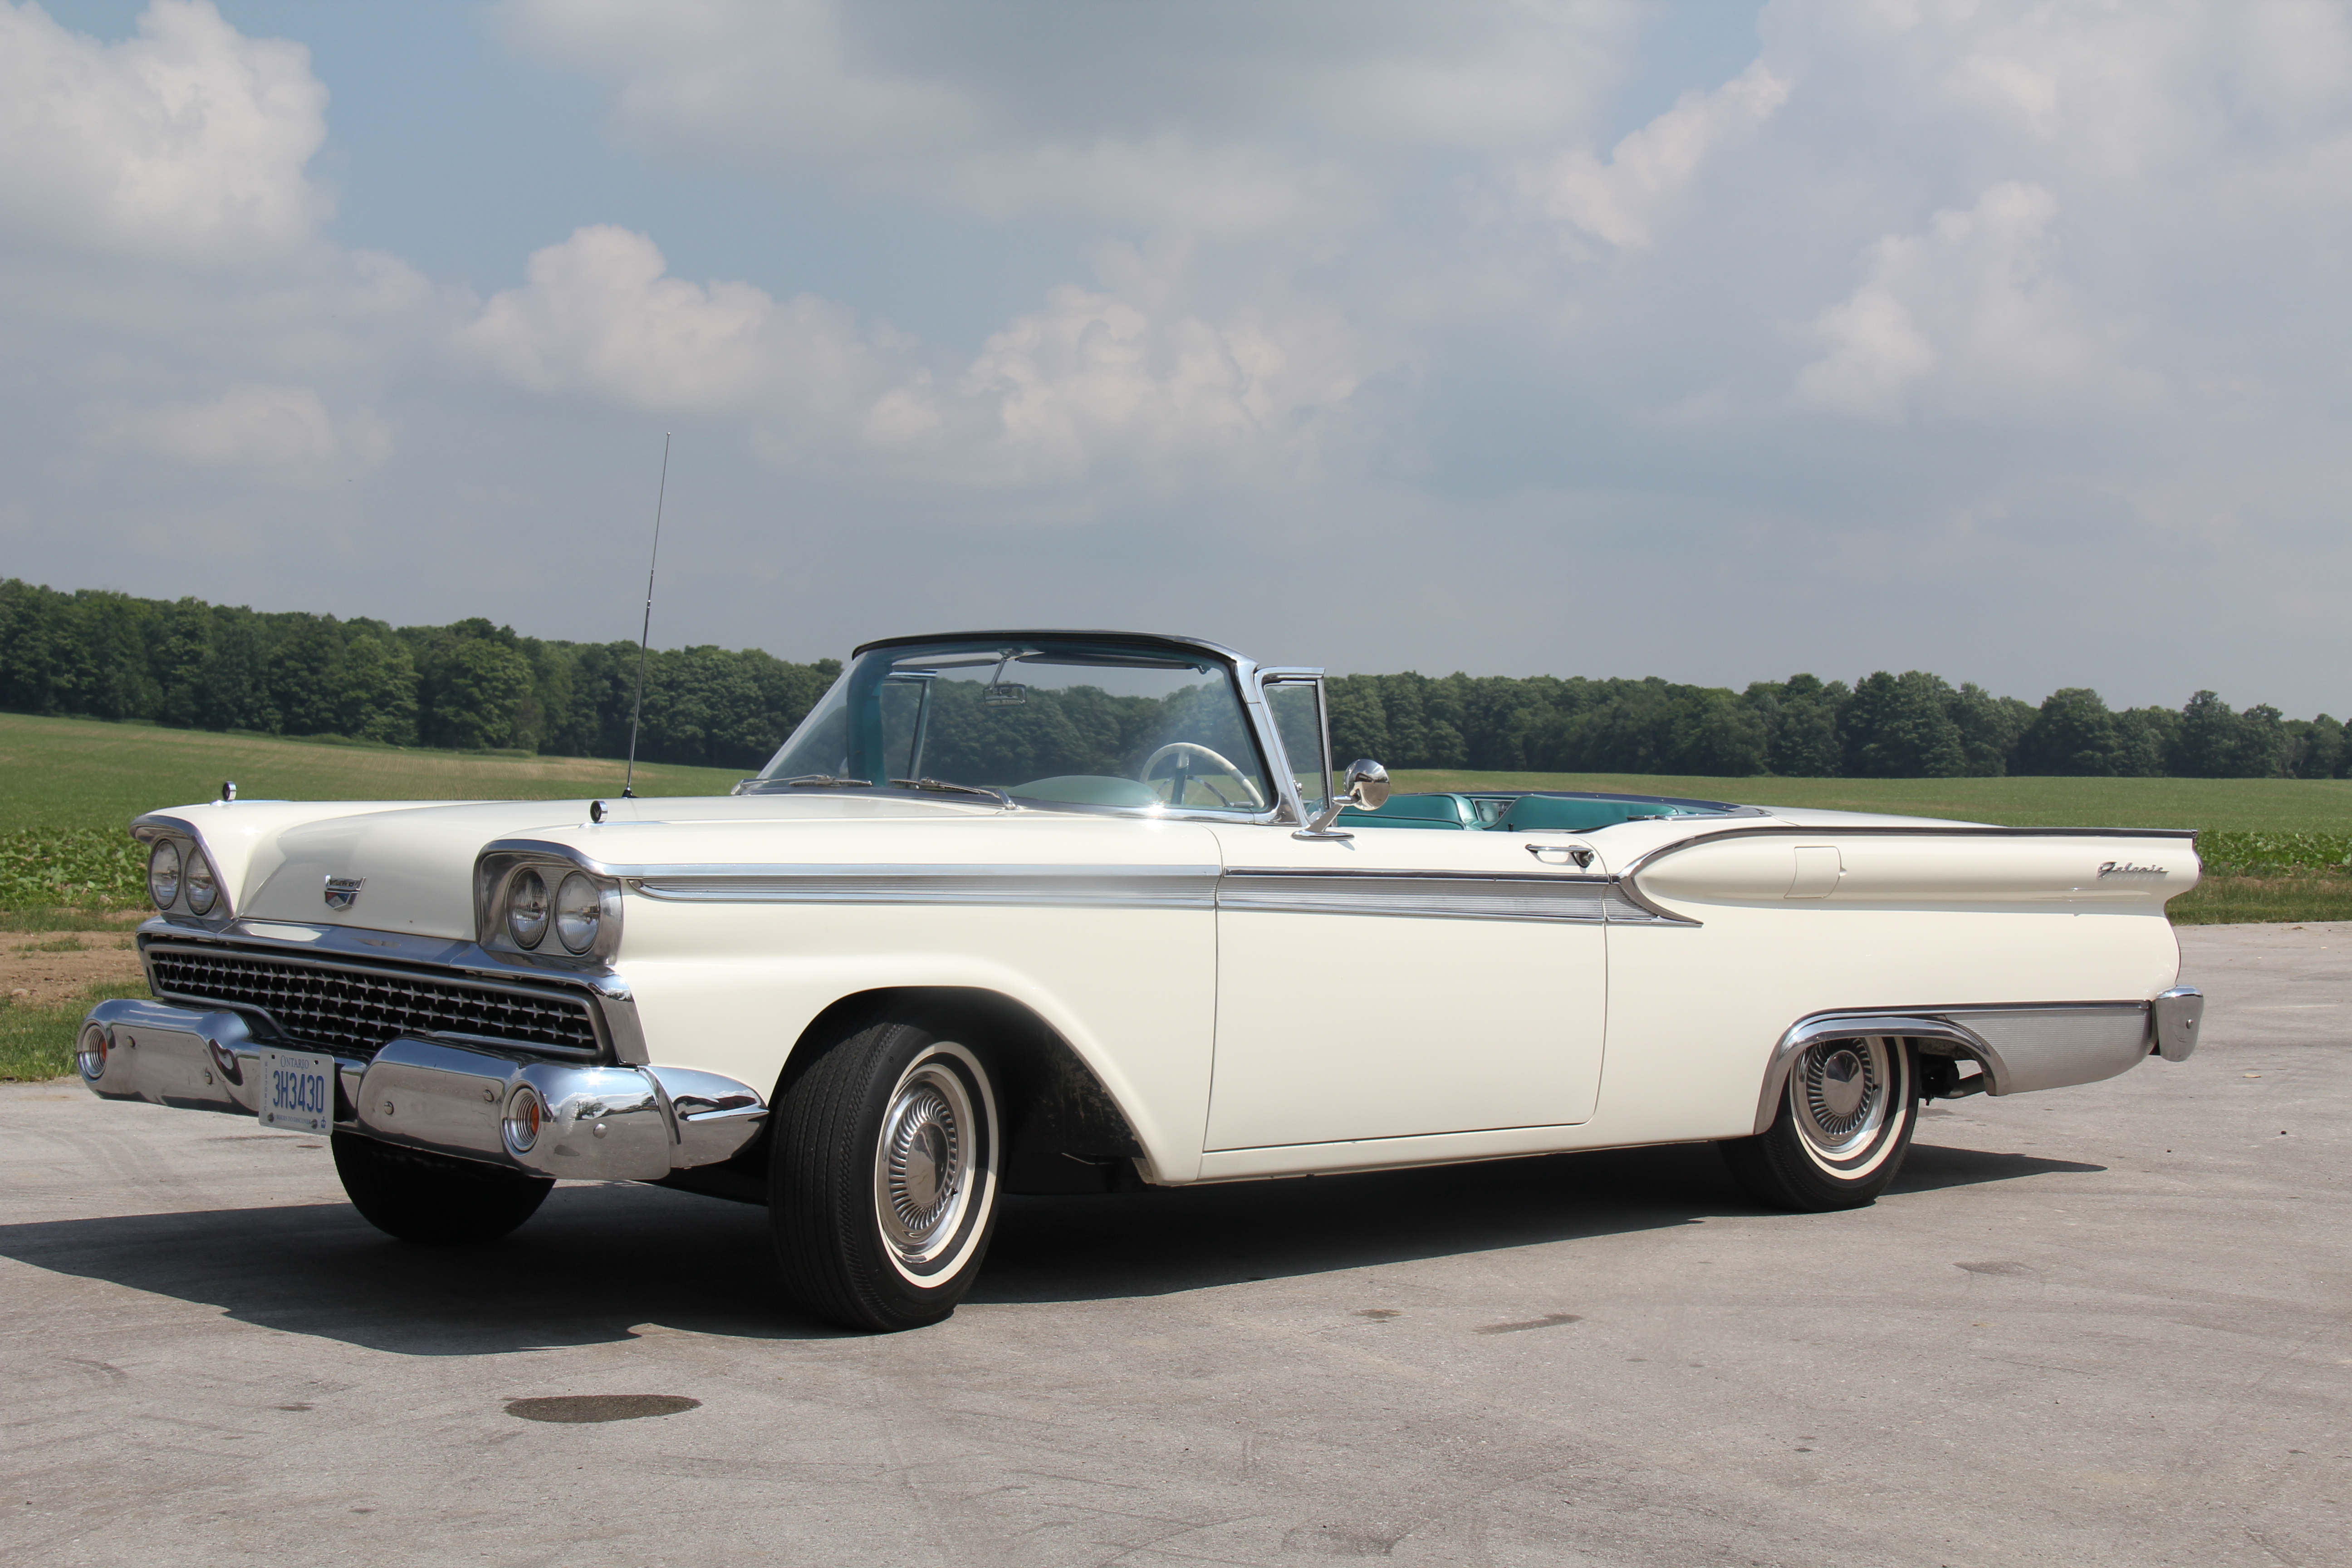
point(601, 1124)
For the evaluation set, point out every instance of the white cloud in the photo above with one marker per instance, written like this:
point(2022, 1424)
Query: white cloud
point(279, 430)
point(1119, 376)
point(1222, 118)
point(1101, 378)
point(1620, 201)
point(601, 315)
point(187, 142)
point(1977, 309)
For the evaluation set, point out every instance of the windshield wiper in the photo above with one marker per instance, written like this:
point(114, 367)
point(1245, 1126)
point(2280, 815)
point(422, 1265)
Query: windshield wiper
point(827, 781)
point(942, 787)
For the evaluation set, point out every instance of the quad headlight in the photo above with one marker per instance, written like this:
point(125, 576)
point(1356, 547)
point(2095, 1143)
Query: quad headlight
point(579, 912)
point(527, 907)
point(164, 873)
point(203, 887)
point(523, 896)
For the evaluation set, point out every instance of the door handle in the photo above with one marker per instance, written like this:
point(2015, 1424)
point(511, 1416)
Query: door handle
point(1567, 852)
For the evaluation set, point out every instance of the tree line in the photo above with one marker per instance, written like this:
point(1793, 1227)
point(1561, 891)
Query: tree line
point(473, 685)
point(470, 686)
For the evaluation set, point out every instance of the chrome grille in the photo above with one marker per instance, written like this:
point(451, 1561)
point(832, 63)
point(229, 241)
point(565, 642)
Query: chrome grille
point(356, 1010)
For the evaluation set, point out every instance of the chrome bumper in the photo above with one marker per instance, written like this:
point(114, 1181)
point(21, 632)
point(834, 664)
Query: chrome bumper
point(601, 1124)
point(2021, 1048)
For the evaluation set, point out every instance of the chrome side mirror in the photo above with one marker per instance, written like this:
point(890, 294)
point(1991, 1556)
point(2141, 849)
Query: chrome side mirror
point(1367, 790)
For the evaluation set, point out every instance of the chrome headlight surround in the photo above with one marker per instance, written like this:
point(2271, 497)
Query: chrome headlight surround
point(501, 873)
point(183, 881)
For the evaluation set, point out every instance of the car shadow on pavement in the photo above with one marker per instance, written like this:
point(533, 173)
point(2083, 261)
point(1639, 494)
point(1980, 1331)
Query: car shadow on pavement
point(599, 1260)
point(1166, 1241)
point(594, 1263)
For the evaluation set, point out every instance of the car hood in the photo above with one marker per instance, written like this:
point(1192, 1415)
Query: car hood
point(414, 864)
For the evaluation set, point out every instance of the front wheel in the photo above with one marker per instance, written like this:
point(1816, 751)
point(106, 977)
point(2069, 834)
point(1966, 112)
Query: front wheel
point(419, 1196)
point(883, 1186)
point(1844, 1124)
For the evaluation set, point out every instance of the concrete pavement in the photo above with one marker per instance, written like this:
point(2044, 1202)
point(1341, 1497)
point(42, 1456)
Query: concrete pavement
point(2106, 1325)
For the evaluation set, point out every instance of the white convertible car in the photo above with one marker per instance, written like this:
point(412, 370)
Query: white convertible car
point(1069, 912)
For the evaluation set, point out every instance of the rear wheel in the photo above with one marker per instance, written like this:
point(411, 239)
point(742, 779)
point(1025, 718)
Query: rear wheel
point(883, 1186)
point(418, 1196)
point(1844, 1124)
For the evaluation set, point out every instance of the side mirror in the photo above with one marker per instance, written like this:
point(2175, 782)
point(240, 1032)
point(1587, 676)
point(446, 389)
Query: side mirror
point(1367, 784)
point(1367, 790)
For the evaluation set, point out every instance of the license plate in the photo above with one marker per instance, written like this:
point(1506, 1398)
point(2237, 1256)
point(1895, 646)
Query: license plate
point(297, 1091)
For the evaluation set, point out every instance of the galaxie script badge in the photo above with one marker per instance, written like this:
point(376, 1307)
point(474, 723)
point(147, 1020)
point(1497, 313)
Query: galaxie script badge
point(2121, 868)
point(343, 891)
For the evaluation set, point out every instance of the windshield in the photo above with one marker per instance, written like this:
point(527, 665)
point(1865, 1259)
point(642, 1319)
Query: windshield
point(1065, 722)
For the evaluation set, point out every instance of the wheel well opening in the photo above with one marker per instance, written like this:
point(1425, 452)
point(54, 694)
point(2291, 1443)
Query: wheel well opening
point(1064, 1133)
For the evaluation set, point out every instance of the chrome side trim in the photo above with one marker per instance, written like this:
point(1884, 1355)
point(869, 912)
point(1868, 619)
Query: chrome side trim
point(2022, 1046)
point(1464, 895)
point(1087, 887)
point(1443, 895)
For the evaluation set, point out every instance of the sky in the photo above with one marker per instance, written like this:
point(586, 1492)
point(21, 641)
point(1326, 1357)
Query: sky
point(1715, 340)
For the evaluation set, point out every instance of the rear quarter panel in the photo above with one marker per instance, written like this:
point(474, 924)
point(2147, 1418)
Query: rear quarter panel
point(1914, 920)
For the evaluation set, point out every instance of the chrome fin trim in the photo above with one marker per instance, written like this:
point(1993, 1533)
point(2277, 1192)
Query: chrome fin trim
point(1092, 887)
point(1438, 895)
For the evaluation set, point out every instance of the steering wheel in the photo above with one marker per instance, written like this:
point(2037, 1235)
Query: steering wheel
point(1190, 748)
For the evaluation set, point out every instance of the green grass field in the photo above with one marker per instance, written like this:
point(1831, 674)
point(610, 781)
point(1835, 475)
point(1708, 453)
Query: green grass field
point(77, 773)
point(2234, 805)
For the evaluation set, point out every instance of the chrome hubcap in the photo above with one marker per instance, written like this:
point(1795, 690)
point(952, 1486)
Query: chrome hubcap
point(921, 1169)
point(1840, 1093)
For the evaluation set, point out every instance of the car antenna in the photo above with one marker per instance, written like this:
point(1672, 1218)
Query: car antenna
point(645, 633)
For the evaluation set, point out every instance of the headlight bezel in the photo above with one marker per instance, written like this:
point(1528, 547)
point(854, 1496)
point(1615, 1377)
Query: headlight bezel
point(498, 873)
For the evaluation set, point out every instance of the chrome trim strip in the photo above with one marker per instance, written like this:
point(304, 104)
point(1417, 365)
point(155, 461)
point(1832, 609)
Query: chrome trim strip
point(1461, 895)
point(1087, 887)
point(1440, 895)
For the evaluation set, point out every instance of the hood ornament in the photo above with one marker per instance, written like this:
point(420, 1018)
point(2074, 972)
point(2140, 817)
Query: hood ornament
point(343, 891)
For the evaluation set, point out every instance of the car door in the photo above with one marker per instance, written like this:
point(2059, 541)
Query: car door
point(1399, 983)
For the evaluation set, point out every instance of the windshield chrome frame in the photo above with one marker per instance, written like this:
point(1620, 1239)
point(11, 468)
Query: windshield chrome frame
point(1248, 679)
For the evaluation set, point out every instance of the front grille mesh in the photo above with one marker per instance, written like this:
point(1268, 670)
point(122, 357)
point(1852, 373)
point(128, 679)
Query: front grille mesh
point(357, 1010)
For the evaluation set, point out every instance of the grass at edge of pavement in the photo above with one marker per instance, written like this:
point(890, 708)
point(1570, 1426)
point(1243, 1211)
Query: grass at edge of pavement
point(2264, 901)
point(37, 1043)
